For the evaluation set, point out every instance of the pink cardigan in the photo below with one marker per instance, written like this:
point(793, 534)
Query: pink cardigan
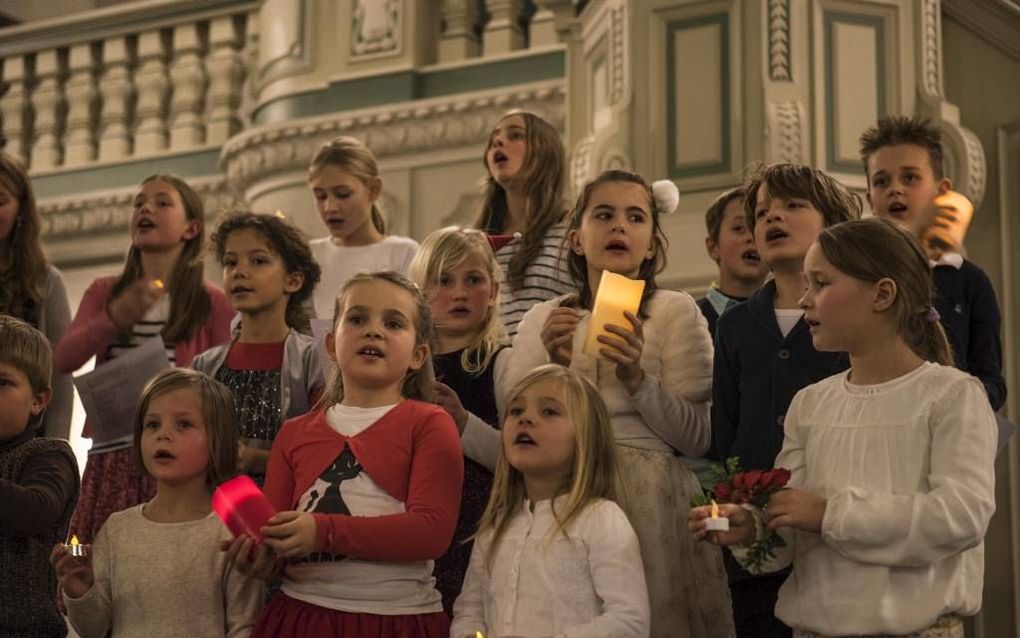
point(92, 331)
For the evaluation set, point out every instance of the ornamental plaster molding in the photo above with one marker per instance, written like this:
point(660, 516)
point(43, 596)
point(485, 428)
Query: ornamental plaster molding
point(931, 49)
point(786, 132)
point(426, 125)
point(779, 40)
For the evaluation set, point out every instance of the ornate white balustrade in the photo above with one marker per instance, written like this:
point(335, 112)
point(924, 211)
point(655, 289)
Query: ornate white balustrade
point(168, 76)
point(114, 84)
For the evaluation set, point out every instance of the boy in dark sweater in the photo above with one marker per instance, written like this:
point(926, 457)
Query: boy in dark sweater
point(730, 244)
point(38, 486)
point(903, 163)
point(764, 352)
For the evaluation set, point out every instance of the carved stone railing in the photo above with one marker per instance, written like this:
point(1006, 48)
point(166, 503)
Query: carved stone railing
point(140, 80)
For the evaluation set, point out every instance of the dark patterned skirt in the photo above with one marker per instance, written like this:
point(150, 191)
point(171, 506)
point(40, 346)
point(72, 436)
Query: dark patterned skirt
point(112, 482)
point(286, 616)
point(451, 566)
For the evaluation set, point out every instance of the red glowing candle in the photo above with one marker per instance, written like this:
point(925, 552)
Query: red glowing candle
point(242, 507)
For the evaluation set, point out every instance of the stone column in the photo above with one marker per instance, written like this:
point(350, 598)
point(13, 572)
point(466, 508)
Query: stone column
point(187, 130)
point(225, 69)
point(153, 87)
point(80, 141)
point(48, 103)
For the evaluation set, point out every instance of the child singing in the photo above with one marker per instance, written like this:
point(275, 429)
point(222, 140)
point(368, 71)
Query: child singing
point(655, 377)
point(368, 485)
point(555, 555)
point(892, 462)
point(458, 273)
point(156, 569)
point(271, 369)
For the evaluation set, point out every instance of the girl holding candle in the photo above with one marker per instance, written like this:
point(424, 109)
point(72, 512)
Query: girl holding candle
point(157, 569)
point(271, 368)
point(345, 182)
point(655, 376)
point(892, 462)
point(30, 287)
point(458, 273)
point(161, 292)
point(524, 200)
point(368, 485)
point(554, 554)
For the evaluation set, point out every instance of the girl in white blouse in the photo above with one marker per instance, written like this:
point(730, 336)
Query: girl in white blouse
point(554, 555)
point(892, 477)
point(655, 375)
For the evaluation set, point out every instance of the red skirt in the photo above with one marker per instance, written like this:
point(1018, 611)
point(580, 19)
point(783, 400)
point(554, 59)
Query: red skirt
point(284, 617)
point(112, 482)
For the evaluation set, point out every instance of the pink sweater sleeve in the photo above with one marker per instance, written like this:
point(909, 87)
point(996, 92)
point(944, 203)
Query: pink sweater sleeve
point(91, 331)
point(425, 530)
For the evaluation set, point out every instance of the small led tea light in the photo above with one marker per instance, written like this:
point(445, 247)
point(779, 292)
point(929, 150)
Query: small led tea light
point(75, 548)
point(717, 523)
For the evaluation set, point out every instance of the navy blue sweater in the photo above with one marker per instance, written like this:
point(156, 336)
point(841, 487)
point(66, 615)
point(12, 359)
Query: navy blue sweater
point(757, 372)
point(966, 302)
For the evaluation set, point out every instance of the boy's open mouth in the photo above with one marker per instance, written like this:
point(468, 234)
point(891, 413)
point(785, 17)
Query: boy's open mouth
point(775, 234)
point(751, 257)
point(897, 209)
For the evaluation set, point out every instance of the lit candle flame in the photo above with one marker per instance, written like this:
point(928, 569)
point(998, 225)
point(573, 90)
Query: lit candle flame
point(478, 634)
point(74, 540)
point(159, 283)
point(715, 509)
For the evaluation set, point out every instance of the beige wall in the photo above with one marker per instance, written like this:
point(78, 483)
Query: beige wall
point(985, 83)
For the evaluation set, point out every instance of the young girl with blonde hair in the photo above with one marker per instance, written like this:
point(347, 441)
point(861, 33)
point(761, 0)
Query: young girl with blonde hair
point(458, 273)
point(892, 480)
point(345, 182)
point(555, 554)
point(367, 485)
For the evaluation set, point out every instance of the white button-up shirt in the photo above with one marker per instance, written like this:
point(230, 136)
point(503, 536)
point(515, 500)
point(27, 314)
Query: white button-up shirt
point(589, 583)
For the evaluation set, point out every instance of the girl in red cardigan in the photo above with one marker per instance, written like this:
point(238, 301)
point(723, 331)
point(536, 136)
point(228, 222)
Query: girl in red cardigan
point(160, 293)
point(368, 485)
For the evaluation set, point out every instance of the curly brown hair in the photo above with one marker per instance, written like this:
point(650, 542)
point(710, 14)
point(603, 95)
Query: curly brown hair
point(288, 242)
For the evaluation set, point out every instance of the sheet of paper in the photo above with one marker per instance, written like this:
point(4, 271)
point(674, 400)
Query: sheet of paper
point(110, 393)
point(616, 294)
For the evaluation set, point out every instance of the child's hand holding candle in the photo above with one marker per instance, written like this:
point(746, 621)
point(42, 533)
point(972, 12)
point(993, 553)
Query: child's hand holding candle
point(738, 523)
point(73, 565)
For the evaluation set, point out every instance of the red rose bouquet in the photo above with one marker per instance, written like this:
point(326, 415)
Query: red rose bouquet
point(754, 487)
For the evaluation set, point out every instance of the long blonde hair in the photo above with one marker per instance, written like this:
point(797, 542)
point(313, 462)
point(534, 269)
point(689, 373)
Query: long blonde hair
point(350, 155)
point(444, 250)
point(190, 304)
point(23, 264)
point(543, 175)
point(418, 383)
point(594, 474)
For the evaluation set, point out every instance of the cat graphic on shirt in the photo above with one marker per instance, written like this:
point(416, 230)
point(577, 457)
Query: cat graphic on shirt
point(326, 495)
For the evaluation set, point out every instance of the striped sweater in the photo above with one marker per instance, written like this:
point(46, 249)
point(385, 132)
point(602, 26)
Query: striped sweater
point(545, 277)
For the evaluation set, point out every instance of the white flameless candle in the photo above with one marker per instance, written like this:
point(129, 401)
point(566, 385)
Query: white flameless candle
point(717, 523)
point(616, 293)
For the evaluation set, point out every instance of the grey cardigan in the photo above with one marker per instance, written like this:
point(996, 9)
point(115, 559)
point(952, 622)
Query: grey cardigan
point(54, 317)
point(299, 374)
